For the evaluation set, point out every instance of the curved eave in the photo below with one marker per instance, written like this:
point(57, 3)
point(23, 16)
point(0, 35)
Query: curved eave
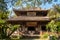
point(34, 10)
point(25, 18)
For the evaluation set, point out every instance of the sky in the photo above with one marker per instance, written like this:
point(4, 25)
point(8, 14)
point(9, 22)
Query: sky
point(48, 6)
point(43, 6)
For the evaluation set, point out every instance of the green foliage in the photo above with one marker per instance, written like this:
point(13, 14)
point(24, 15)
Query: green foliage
point(53, 14)
point(52, 26)
point(13, 27)
point(19, 2)
point(33, 3)
point(28, 6)
point(58, 26)
point(57, 8)
point(54, 38)
point(4, 26)
point(3, 5)
point(4, 29)
point(2, 21)
point(4, 15)
point(45, 35)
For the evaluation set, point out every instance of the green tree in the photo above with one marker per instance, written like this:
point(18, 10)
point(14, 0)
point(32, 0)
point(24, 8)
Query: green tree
point(52, 26)
point(58, 25)
point(53, 14)
point(57, 8)
point(4, 26)
point(32, 3)
point(4, 29)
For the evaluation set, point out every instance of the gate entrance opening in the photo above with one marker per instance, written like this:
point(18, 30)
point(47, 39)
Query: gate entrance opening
point(31, 28)
point(43, 28)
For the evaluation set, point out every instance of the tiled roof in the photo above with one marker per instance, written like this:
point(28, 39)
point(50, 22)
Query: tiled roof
point(30, 9)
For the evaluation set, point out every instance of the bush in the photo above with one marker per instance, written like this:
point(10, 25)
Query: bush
point(53, 38)
point(45, 36)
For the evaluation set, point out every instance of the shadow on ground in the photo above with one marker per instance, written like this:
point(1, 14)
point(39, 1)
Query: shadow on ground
point(29, 38)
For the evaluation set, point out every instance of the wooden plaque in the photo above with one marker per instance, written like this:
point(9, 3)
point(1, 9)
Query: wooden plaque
point(31, 23)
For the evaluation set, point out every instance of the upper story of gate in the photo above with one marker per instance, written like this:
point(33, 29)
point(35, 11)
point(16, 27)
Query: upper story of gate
point(30, 12)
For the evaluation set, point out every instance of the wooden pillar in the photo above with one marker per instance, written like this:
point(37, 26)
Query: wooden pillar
point(23, 28)
point(40, 30)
